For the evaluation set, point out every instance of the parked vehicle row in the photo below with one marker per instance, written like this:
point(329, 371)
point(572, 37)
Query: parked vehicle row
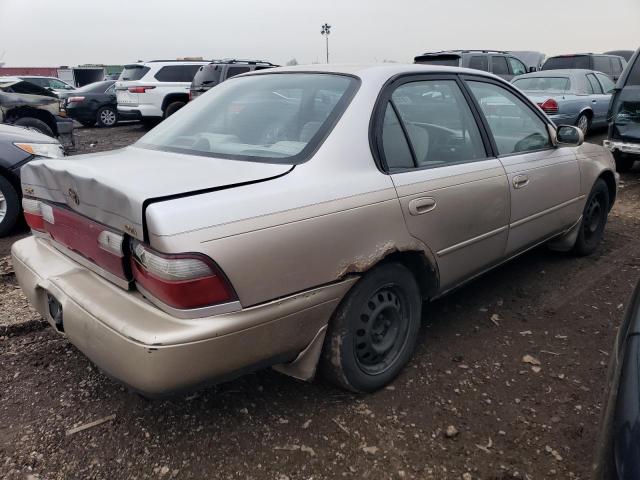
point(243, 181)
point(497, 62)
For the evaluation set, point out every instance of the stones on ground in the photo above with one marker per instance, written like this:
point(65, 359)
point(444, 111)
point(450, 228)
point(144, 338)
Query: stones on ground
point(553, 453)
point(530, 360)
point(451, 431)
point(495, 318)
point(370, 450)
point(466, 476)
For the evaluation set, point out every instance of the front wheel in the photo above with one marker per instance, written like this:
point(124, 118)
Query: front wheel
point(374, 330)
point(594, 219)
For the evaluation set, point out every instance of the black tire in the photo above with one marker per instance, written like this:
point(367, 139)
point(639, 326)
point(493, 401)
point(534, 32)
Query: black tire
point(35, 124)
point(106, 117)
point(373, 332)
point(624, 161)
point(585, 120)
point(88, 123)
point(172, 108)
point(10, 206)
point(594, 219)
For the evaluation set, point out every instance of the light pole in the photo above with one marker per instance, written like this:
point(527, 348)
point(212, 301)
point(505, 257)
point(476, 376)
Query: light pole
point(326, 30)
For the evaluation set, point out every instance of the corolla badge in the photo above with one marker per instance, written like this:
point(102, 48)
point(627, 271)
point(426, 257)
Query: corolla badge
point(74, 196)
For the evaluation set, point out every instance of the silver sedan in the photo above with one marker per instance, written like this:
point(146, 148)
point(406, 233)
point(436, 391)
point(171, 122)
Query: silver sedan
point(570, 97)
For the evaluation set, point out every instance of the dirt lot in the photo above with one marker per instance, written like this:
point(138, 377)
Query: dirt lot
point(505, 419)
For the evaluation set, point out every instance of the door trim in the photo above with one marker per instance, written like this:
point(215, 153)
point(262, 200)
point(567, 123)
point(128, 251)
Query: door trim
point(545, 212)
point(471, 241)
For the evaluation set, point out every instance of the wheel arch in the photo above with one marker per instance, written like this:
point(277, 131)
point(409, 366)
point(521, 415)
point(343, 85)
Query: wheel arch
point(610, 179)
point(174, 97)
point(24, 111)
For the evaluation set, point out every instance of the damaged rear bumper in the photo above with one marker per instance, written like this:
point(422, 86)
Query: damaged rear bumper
point(624, 147)
point(152, 352)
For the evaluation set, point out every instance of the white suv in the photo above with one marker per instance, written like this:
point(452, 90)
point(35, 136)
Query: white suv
point(154, 90)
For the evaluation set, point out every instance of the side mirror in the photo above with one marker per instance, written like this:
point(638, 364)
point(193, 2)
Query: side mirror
point(569, 135)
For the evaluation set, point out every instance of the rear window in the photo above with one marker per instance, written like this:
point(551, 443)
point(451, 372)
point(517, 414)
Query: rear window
point(569, 61)
point(602, 64)
point(543, 84)
point(133, 72)
point(444, 60)
point(177, 73)
point(479, 62)
point(273, 118)
point(207, 76)
point(97, 87)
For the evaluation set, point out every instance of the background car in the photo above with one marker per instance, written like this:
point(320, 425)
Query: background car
point(208, 76)
point(94, 104)
point(611, 65)
point(570, 97)
point(18, 146)
point(532, 60)
point(497, 62)
point(154, 90)
point(50, 83)
point(626, 54)
point(28, 105)
point(623, 137)
point(444, 174)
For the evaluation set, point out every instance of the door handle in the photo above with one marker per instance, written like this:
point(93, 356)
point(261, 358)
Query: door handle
point(520, 181)
point(418, 206)
point(593, 101)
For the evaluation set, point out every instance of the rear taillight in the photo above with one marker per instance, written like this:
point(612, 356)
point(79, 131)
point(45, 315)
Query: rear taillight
point(140, 89)
point(550, 106)
point(181, 281)
point(35, 213)
point(74, 99)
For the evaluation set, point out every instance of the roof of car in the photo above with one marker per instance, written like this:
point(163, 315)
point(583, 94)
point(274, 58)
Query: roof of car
point(563, 72)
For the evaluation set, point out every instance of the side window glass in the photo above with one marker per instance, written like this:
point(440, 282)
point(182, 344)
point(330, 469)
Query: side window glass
point(394, 143)
point(514, 125)
point(439, 123)
point(233, 71)
point(616, 66)
point(607, 83)
point(634, 73)
point(602, 64)
point(479, 62)
point(517, 67)
point(111, 89)
point(592, 84)
point(499, 66)
point(177, 73)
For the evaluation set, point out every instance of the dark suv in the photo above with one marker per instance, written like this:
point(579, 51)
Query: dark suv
point(218, 71)
point(497, 62)
point(623, 138)
point(611, 65)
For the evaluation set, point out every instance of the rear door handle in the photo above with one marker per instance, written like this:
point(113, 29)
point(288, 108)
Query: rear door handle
point(520, 181)
point(418, 206)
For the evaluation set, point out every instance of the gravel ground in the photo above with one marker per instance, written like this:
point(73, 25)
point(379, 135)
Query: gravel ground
point(473, 403)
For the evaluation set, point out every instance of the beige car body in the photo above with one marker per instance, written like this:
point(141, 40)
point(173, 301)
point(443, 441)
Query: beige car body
point(292, 241)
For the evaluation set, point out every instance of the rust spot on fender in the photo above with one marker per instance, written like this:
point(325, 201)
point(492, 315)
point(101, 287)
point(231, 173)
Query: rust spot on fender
point(363, 263)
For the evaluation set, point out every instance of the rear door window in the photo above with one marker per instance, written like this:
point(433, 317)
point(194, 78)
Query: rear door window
point(593, 86)
point(133, 72)
point(479, 62)
point(606, 82)
point(602, 64)
point(438, 122)
point(177, 73)
point(499, 66)
point(616, 66)
point(567, 62)
point(397, 153)
point(233, 71)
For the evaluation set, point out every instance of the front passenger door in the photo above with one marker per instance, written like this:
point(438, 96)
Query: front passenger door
point(544, 181)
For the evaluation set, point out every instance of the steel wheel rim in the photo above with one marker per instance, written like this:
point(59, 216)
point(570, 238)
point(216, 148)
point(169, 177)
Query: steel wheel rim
point(382, 330)
point(583, 124)
point(108, 117)
point(3, 207)
point(593, 217)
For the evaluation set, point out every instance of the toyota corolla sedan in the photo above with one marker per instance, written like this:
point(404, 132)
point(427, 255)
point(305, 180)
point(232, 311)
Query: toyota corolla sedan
point(298, 218)
point(570, 97)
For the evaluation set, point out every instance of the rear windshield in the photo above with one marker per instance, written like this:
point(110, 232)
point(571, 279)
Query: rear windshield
point(446, 60)
point(96, 87)
point(543, 84)
point(133, 72)
point(207, 76)
point(560, 63)
point(273, 118)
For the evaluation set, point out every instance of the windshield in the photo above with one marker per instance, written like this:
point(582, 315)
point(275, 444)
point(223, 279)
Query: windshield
point(543, 84)
point(561, 63)
point(268, 117)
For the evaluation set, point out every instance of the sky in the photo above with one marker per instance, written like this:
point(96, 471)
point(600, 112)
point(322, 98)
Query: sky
point(71, 32)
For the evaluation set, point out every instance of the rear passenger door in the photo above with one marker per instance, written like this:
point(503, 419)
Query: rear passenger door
point(599, 99)
point(454, 196)
point(544, 181)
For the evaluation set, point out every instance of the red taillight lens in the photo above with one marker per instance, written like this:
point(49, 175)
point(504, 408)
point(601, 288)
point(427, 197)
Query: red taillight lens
point(550, 106)
point(183, 281)
point(75, 99)
point(33, 213)
point(139, 89)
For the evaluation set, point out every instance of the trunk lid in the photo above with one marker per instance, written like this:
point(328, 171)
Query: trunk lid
point(114, 188)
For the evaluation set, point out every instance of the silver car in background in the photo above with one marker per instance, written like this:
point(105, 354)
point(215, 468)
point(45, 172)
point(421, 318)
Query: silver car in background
point(570, 97)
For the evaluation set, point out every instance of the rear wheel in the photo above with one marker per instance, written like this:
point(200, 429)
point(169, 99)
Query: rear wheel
point(172, 108)
point(624, 161)
point(9, 206)
point(34, 124)
point(594, 219)
point(374, 330)
point(584, 123)
point(106, 117)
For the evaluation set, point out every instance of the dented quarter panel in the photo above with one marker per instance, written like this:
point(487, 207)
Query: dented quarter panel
point(593, 161)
